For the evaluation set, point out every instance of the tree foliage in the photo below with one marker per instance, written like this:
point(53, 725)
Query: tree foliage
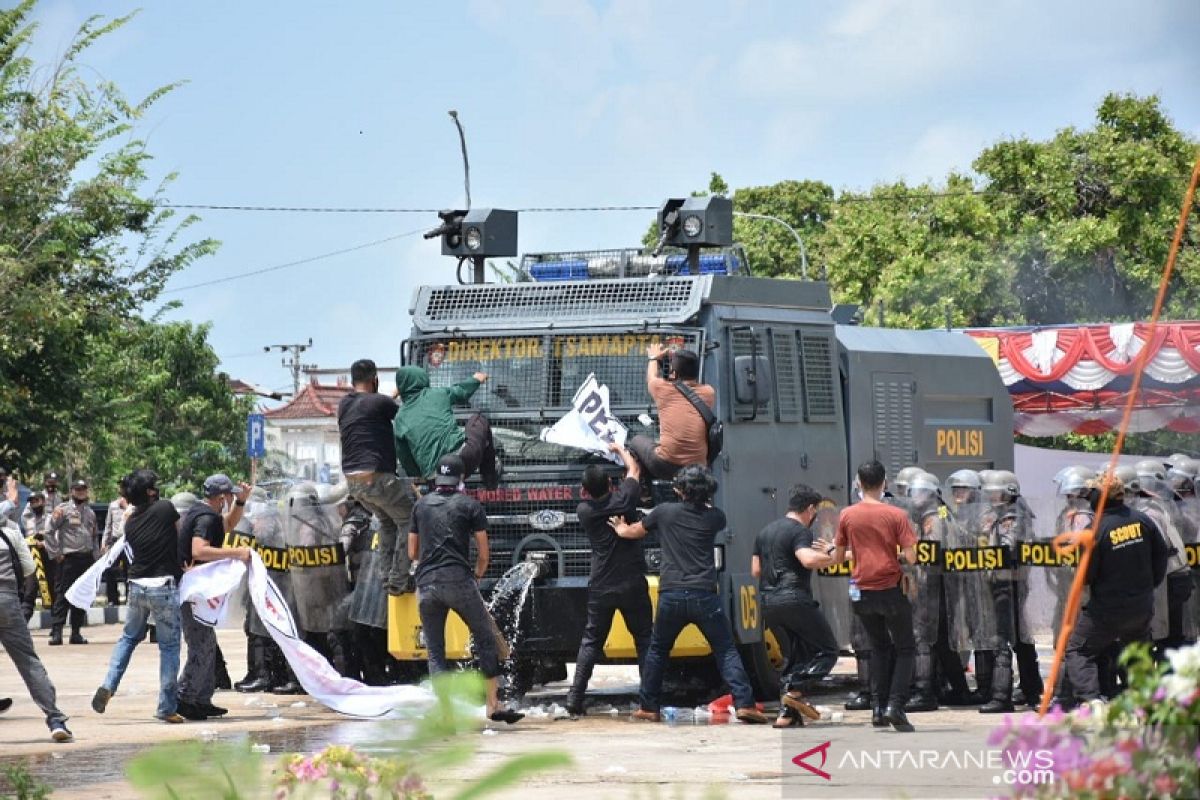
point(1072, 229)
point(87, 383)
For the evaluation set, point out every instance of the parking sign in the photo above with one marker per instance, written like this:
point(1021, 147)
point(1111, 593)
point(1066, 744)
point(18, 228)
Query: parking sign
point(256, 436)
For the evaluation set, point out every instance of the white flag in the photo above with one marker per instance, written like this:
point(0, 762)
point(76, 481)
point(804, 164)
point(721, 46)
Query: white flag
point(215, 580)
point(589, 425)
point(83, 591)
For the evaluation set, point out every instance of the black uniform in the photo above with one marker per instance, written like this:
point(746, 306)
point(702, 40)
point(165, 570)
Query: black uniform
point(1129, 560)
point(789, 609)
point(617, 583)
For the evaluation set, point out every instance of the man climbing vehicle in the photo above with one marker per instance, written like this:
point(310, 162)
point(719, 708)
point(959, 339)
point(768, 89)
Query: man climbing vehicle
point(426, 429)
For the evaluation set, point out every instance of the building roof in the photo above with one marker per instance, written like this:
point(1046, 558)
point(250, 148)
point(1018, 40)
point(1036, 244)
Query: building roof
point(315, 401)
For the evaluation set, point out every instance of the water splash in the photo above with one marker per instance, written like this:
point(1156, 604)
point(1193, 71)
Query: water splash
point(507, 604)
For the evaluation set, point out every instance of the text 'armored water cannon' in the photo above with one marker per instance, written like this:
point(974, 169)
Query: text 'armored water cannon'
point(476, 235)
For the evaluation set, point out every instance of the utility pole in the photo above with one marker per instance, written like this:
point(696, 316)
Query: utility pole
point(294, 364)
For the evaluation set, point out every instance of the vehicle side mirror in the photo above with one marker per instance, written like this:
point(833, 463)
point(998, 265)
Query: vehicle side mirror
point(752, 380)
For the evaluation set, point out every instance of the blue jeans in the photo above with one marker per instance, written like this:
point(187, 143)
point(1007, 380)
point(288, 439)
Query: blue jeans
point(677, 608)
point(163, 604)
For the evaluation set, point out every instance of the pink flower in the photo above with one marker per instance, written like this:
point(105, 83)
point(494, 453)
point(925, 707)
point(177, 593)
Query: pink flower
point(1165, 784)
point(1160, 694)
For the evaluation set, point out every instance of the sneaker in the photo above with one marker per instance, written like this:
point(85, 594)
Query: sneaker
point(59, 733)
point(648, 716)
point(100, 700)
point(173, 719)
point(796, 702)
point(752, 716)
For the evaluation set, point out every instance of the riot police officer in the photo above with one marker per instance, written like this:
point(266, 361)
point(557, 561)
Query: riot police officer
point(317, 565)
point(1008, 522)
point(1157, 500)
point(1074, 515)
point(929, 516)
point(1128, 561)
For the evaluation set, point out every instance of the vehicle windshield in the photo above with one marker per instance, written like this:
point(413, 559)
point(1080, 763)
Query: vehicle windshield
point(529, 375)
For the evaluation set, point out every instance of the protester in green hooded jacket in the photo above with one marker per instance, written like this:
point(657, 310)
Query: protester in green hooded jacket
point(426, 428)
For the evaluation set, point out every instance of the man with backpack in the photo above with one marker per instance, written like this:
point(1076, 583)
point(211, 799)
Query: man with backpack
point(689, 430)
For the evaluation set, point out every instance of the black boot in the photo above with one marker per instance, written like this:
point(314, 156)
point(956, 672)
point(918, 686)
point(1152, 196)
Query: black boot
point(77, 637)
point(862, 700)
point(895, 717)
point(995, 706)
point(282, 679)
point(877, 718)
point(256, 668)
point(923, 698)
point(56, 635)
point(221, 673)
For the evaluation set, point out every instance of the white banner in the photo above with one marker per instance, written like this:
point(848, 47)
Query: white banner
point(85, 588)
point(214, 582)
point(589, 425)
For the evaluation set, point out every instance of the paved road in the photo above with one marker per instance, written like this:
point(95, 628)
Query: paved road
point(614, 757)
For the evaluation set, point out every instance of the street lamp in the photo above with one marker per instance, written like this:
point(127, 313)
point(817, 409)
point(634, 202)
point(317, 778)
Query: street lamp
point(784, 223)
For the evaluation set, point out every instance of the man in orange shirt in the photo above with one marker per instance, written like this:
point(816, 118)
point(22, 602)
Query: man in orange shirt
point(683, 435)
point(878, 534)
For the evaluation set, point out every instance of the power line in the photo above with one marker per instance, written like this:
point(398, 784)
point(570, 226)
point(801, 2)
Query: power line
point(297, 263)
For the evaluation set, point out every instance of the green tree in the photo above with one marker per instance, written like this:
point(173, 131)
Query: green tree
point(1086, 218)
point(929, 254)
point(83, 249)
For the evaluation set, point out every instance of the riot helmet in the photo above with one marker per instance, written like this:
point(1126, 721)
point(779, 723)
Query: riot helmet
point(964, 485)
point(1182, 475)
point(901, 482)
point(183, 501)
point(1176, 460)
point(1072, 481)
point(1000, 486)
point(303, 494)
point(1150, 468)
point(924, 490)
point(1128, 478)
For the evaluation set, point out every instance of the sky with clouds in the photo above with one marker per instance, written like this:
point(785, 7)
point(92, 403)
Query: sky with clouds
point(567, 103)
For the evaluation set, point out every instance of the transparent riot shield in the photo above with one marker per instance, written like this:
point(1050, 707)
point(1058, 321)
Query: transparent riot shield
point(929, 519)
point(1157, 502)
point(1032, 596)
point(316, 560)
point(831, 587)
point(1189, 512)
point(1073, 515)
point(368, 599)
point(971, 622)
point(265, 524)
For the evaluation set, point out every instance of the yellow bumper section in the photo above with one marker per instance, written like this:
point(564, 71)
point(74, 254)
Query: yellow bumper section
point(404, 633)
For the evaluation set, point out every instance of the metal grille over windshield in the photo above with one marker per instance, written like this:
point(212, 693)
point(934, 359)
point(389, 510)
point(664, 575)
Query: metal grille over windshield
point(531, 380)
point(497, 306)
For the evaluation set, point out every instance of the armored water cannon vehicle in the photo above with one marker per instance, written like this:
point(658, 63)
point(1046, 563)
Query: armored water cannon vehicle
point(802, 400)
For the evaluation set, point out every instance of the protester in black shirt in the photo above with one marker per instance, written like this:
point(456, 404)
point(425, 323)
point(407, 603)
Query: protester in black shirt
point(443, 524)
point(154, 573)
point(369, 464)
point(1129, 559)
point(784, 557)
point(687, 590)
point(201, 538)
point(618, 576)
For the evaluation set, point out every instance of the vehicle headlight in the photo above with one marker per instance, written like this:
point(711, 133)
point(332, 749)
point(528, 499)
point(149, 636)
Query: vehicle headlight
point(692, 226)
point(473, 238)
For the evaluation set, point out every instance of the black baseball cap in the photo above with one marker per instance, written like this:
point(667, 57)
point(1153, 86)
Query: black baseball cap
point(218, 484)
point(79, 483)
point(50, 477)
point(450, 470)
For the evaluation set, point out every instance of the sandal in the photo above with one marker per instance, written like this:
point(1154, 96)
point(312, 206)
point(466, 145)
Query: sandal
point(796, 702)
point(788, 719)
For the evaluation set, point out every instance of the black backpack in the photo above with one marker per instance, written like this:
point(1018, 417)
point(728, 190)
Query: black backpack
point(714, 426)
